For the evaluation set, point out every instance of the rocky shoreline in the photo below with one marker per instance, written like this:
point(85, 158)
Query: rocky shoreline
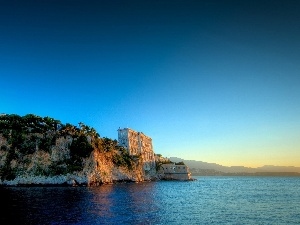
point(61, 180)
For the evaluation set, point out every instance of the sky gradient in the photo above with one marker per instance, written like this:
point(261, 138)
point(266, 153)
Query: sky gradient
point(215, 81)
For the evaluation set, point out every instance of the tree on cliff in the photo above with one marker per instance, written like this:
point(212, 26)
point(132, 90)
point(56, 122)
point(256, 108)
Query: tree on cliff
point(26, 137)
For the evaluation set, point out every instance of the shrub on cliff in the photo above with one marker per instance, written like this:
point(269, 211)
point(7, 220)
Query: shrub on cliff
point(108, 145)
point(179, 163)
point(30, 134)
point(6, 172)
point(80, 147)
point(122, 158)
point(119, 155)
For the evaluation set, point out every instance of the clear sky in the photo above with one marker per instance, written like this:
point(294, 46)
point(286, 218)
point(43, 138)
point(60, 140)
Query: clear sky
point(215, 81)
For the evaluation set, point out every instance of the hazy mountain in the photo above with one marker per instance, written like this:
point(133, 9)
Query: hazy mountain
point(234, 169)
point(278, 169)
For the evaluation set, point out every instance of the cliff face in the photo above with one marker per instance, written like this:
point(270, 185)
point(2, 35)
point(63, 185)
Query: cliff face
point(101, 169)
point(38, 150)
point(51, 167)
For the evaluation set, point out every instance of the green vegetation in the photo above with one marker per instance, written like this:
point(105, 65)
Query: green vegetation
point(120, 156)
point(25, 135)
point(6, 172)
point(180, 163)
point(29, 132)
point(164, 161)
point(124, 159)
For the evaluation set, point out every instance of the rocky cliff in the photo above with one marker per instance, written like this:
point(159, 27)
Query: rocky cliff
point(50, 168)
point(46, 152)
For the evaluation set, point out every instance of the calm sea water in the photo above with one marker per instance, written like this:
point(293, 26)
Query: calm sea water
point(208, 200)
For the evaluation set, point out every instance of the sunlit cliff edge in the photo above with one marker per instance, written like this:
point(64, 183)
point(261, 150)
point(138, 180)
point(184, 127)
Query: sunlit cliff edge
point(43, 151)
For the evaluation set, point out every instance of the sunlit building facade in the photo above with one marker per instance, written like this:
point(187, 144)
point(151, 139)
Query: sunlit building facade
point(137, 143)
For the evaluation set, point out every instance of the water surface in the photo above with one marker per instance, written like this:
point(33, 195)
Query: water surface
point(208, 200)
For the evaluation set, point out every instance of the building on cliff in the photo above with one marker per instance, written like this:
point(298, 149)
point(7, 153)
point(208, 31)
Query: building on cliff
point(171, 171)
point(137, 143)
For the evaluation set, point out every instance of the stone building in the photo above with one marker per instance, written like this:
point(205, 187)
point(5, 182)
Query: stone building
point(171, 171)
point(137, 143)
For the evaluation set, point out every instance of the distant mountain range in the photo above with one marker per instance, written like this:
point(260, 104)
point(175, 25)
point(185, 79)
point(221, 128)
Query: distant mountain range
point(200, 167)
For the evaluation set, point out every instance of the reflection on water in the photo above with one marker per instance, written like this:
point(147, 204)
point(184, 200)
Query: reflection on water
point(209, 200)
point(109, 204)
point(102, 201)
point(124, 203)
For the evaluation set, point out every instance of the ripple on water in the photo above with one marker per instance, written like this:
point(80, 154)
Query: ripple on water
point(208, 200)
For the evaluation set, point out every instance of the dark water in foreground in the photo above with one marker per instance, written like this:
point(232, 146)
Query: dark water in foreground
point(208, 200)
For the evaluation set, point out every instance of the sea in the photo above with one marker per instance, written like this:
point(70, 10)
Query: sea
point(206, 200)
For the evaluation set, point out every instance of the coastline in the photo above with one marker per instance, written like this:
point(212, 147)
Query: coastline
point(59, 181)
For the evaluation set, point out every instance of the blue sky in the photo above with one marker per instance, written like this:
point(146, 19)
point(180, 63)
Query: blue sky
point(216, 81)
